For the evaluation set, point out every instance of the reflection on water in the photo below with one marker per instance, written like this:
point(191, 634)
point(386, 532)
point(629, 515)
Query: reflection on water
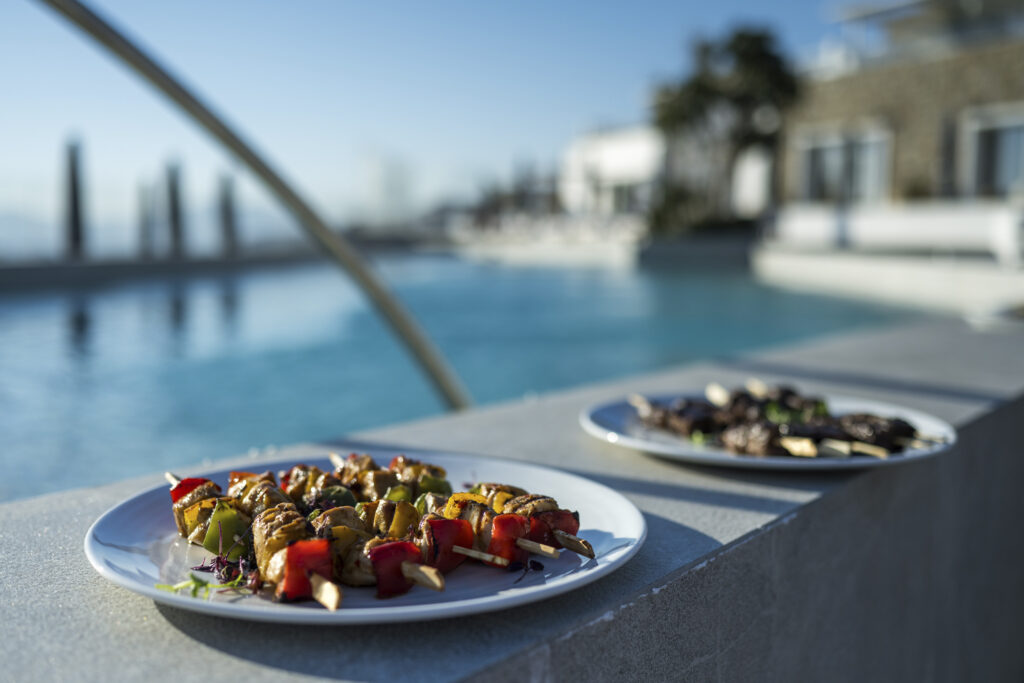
point(97, 386)
point(177, 310)
point(229, 306)
point(78, 327)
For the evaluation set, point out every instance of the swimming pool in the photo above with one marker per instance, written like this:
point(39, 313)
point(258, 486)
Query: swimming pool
point(98, 386)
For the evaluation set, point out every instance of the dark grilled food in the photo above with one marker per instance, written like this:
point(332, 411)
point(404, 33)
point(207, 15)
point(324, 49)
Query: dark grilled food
point(764, 420)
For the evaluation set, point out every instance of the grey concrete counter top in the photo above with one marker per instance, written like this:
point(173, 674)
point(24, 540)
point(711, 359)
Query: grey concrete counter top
point(902, 573)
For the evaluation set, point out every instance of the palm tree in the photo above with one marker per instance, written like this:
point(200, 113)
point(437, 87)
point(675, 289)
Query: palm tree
point(732, 101)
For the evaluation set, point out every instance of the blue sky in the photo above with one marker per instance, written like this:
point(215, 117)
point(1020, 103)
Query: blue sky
point(343, 96)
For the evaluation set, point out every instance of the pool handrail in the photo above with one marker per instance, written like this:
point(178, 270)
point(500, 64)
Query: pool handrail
point(340, 251)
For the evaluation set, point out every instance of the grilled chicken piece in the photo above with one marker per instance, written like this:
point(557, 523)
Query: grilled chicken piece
point(683, 416)
point(375, 483)
point(353, 467)
point(754, 438)
point(202, 492)
point(304, 480)
point(817, 428)
point(263, 496)
point(410, 471)
point(322, 481)
point(479, 517)
point(340, 516)
point(356, 567)
point(530, 505)
point(434, 503)
point(274, 529)
point(242, 486)
point(488, 489)
point(879, 431)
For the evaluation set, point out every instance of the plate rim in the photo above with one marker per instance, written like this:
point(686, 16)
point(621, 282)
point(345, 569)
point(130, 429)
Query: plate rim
point(297, 614)
point(722, 458)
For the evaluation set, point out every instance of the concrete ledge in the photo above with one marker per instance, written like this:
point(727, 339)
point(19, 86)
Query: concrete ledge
point(904, 573)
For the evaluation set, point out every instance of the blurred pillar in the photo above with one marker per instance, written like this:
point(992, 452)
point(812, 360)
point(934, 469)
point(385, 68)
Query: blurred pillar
point(146, 247)
point(228, 222)
point(175, 218)
point(75, 232)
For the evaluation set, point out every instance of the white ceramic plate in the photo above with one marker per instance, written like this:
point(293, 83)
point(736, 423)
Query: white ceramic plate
point(135, 545)
point(616, 422)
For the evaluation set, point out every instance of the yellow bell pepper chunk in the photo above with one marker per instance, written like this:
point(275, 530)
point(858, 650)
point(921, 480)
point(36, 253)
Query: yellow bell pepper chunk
point(197, 513)
point(405, 516)
point(500, 498)
point(457, 501)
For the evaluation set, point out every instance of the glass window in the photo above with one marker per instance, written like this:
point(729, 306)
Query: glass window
point(855, 169)
point(869, 172)
point(824, 172)
point(1000, 163)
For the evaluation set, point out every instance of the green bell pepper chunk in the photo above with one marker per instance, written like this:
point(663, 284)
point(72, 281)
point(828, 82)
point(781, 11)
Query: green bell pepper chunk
point(430, 484)
point(421, 504)
point(338, 496)
point(398, 493)
point(225, 523)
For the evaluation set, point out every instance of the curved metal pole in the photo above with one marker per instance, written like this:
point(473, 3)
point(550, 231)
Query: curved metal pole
point(336, 247)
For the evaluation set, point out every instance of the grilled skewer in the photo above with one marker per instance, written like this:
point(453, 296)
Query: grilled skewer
point(776, 420)
point(549, 523)
point(404, 465)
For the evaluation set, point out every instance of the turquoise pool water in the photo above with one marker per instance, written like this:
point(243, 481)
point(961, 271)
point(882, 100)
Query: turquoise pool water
point(103, 385)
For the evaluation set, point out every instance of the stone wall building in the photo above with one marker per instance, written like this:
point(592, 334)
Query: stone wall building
point(939, 115)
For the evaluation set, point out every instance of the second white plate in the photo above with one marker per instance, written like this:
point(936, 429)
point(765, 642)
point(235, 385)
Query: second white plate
point(617, 423)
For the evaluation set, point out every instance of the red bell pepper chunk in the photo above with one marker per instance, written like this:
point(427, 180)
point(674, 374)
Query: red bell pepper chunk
point(542, 524)
point(387, 559)
point(302, 558)
point(445, 534)
point(505, 531)
point(185, 486)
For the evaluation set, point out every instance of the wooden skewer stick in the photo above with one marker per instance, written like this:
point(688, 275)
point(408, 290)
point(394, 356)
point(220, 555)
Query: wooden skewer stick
point(538, 548)
point(422, 575)
point(913, 443)
point(799, 446)
point(336, 459)
point(172, 479)
point(642, 405)
point(869, 449)
point(478, 555)
point(716, 394)
point(326, 592)
point(574, 543)
point(930, 437)
point(757, 388)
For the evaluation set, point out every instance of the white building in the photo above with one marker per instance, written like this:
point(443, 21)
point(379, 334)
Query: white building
point(616, 171)
point(611, 171)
